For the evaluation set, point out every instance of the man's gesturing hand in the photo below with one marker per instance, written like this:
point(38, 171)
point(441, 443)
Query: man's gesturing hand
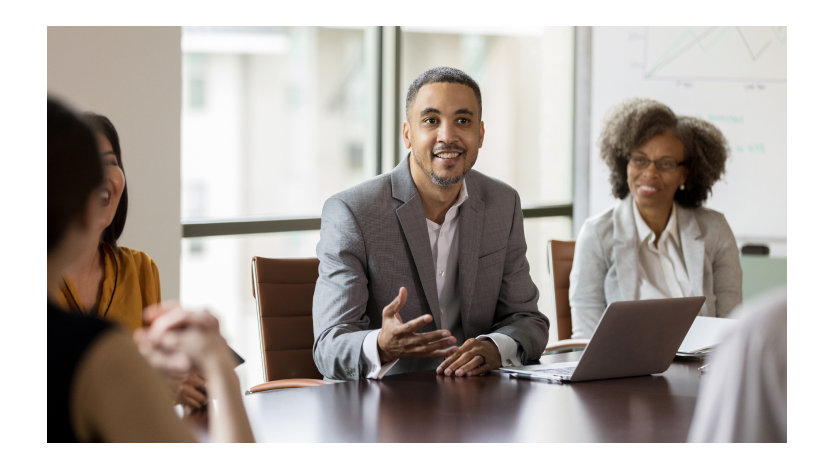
point(397, 339)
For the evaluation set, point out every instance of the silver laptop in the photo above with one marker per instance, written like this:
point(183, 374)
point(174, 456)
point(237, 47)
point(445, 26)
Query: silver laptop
point(637, 337)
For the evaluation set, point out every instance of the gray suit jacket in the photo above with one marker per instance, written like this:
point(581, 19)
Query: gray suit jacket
point(605, 263)
point(374, 239)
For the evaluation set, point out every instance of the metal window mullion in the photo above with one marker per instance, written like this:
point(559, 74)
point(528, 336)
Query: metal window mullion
point(248, 227)
point(373, 70)
point(390, 97)
point(194, 229)
point(582, 44)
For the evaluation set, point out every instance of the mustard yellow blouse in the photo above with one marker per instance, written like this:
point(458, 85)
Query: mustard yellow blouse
point(130, 283)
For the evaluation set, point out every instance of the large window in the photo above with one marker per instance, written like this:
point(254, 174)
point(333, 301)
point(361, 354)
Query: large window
point(276, 119)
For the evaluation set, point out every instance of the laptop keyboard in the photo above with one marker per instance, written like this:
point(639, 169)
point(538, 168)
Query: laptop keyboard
point(557, 371)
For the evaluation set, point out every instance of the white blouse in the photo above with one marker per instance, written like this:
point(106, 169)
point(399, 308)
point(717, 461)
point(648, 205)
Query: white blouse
point(661, 269)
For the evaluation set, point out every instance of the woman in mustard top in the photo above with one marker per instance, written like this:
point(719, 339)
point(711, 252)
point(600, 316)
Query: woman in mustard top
point(115, 282)
point(101, 389)
point(109, 281)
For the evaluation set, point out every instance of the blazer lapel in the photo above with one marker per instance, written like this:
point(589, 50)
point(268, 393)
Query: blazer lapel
point(470, 229)
point(625, 249)
point(412, 220)
point(692, 243)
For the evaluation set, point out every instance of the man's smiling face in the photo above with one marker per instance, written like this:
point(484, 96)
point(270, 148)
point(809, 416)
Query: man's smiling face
point(444, 132)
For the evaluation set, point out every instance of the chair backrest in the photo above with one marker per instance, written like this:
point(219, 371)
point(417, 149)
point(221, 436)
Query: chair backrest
point(283, 290)
point(559, 264)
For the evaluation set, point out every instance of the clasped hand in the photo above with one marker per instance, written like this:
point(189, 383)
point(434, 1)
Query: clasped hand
point(474, 357)
point(181, 344)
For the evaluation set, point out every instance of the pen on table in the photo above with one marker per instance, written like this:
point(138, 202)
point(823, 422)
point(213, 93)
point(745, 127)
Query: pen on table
point(521, 375)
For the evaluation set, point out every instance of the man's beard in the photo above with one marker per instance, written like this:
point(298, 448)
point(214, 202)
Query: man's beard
point(445, 181)
point(440, 181)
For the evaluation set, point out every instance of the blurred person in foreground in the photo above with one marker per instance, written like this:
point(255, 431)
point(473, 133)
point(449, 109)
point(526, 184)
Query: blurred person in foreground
point(744, 392)
point(658, 241)
point(116, 282)
point(101, 388)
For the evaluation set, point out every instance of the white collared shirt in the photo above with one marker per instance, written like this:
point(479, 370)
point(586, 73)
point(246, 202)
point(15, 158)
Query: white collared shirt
point(661, 269)
point(443, 239)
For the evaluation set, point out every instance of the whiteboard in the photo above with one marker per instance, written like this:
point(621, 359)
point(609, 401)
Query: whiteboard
point(733, 77)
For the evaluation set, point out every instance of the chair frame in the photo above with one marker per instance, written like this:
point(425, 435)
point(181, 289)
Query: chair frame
point(279, 383)
point(556, 258)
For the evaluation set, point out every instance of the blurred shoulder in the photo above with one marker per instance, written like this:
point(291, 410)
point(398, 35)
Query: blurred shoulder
point(708, 218)
point(602, 222)
point(135, 258)
point(709, 215)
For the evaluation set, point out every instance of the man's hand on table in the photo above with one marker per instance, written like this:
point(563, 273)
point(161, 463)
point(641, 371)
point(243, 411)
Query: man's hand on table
point(474, 357)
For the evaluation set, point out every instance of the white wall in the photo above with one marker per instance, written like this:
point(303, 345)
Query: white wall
point(132, 75)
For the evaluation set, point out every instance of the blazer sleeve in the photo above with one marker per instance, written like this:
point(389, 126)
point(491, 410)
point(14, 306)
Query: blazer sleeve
point(517, 314)
point(726, 270)
point(587, 282)
point(340, 322)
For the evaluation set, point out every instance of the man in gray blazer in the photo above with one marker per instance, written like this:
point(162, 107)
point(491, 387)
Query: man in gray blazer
point(425, 267)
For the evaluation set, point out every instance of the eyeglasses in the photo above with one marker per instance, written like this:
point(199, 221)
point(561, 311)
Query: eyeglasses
point(664, 164)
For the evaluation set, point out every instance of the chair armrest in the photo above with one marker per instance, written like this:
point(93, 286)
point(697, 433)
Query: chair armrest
point(287, 383)
point(566, 345)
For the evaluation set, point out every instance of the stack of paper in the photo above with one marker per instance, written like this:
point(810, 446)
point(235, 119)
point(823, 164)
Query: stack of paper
point(704, 334)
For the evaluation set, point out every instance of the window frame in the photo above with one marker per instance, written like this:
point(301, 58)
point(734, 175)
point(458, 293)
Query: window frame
point(384, 48)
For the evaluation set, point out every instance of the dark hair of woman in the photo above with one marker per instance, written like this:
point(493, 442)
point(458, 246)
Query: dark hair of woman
point(74, 169)
point(104, 126)
point(633, 122)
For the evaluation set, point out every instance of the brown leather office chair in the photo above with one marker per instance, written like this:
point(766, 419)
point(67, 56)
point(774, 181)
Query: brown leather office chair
point(283, 290)
point(559, 264)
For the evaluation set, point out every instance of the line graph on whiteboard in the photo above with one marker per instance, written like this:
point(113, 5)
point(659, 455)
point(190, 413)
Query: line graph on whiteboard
point(687, 54)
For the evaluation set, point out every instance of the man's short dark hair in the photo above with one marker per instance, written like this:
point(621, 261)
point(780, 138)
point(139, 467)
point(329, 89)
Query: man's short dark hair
point(441, 75)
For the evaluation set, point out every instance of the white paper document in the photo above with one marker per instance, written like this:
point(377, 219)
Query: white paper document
point(704, 334)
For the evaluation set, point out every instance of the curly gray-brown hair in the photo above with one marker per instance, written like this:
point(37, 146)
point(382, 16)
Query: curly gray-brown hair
point(633, 122)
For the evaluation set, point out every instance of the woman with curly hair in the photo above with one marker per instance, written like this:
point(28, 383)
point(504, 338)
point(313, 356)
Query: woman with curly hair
point(658, 241)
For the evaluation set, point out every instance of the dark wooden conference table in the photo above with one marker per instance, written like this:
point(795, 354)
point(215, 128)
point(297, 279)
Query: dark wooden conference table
point(425, 407)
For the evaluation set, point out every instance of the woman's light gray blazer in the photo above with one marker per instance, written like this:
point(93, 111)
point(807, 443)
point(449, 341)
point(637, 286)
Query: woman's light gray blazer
point(605, 263)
